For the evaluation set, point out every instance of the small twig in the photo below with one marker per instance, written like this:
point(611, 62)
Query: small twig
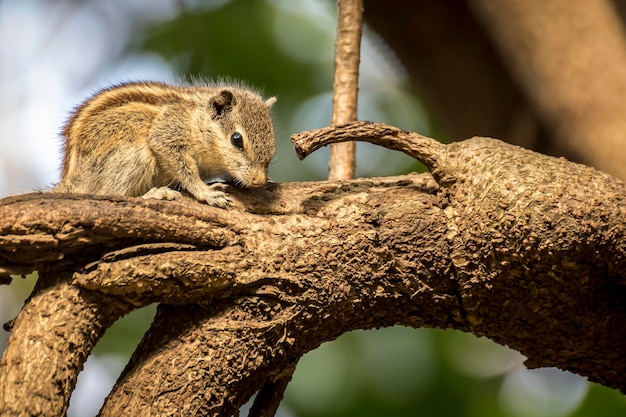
point(425, 149)
point(346, 85)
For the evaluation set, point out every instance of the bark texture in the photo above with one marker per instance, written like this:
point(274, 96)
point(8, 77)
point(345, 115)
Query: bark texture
point(51, 339)
point(525, 249)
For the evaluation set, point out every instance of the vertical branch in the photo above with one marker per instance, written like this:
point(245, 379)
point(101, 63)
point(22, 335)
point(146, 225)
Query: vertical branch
point(346, 85)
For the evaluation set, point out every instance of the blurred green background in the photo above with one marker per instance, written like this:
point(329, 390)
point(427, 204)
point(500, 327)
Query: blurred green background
point(285, 47)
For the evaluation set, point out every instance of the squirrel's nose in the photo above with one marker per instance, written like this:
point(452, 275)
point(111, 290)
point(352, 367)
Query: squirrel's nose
point(258, 178)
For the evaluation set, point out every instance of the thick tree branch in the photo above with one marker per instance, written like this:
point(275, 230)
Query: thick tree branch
point(50, 341)
point(522, 248)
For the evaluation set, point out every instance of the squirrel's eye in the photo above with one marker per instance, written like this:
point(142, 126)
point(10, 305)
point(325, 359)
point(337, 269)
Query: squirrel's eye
point(237, 140)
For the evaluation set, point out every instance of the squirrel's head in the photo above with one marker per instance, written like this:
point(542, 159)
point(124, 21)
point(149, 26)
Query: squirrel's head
point(246, 134)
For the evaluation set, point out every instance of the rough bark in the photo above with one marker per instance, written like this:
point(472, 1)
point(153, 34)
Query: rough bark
point(525, 249)
point(50, 341)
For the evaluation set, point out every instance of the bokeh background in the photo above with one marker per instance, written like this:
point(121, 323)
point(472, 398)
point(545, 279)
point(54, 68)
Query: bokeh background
point(54, 54)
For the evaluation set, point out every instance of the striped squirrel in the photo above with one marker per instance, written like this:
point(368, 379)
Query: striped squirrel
point(151, 139)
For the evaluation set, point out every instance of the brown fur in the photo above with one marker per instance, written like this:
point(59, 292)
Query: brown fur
point(133, 138)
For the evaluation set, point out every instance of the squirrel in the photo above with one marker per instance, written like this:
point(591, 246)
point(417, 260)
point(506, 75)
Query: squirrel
point(152, 139)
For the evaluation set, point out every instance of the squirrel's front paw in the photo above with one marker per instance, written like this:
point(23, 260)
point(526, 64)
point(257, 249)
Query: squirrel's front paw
point(162, 193)
point(214, 195)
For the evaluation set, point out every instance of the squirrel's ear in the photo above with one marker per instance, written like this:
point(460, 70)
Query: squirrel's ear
point(222, 103)
point(270, 101)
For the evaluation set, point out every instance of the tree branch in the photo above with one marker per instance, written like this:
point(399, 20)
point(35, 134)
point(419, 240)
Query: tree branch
point(422, 148)
point(346, 85)
point(50, 341)
point(525, 249)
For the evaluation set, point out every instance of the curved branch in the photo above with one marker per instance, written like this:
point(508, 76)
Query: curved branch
point(354, 271)
point(50, 341)
point(422, 148)
point(522, 248)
